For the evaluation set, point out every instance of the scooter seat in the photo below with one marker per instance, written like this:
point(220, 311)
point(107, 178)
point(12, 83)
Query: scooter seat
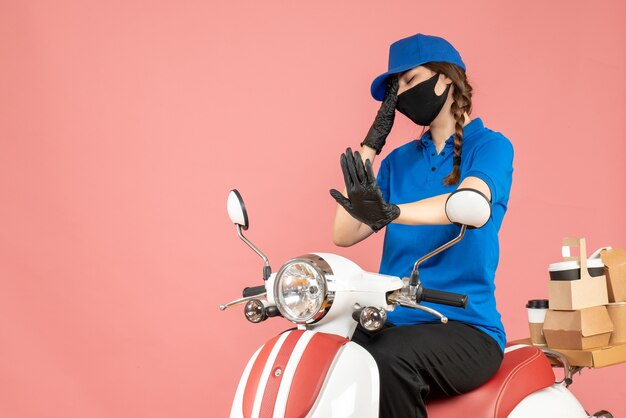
point(524, 370)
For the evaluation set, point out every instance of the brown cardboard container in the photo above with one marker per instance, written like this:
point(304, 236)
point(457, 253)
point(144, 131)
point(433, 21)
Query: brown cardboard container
point(615, 271)
point(578, 294)
point(596, 357)
point(578, 330)
point(617, 312)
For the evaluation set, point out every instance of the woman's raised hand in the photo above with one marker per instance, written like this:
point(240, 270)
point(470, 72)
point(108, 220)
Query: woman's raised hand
point(377, 135)
point(365, 201)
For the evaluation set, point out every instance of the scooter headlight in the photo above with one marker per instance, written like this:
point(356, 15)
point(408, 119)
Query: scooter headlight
point(301, 290)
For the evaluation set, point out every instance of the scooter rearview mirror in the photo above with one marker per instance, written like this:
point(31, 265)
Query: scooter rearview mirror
point(237, 209)
point(468, 207)
point(239, 216)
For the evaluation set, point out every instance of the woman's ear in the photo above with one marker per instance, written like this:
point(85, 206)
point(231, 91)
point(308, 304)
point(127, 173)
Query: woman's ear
point(445, 79)
point(442, 84)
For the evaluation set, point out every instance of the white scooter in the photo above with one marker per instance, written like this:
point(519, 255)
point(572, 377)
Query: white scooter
point(315, 371)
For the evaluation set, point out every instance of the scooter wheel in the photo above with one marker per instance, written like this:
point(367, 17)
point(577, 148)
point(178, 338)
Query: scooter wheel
point(603, 414)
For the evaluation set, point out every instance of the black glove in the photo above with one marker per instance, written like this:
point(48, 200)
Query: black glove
point(365, 201)
point(377, 135)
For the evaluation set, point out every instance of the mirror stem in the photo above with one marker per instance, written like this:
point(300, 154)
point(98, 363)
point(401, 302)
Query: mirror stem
point(267, 270)
point(415, 276)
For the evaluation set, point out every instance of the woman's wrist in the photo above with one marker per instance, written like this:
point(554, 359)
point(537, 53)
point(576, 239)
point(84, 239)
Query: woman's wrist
point(368, 153)
point(431, 211)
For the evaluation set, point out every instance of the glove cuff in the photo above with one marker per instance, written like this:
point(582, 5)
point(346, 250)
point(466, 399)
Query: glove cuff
point(372, 146)
point(394, 212)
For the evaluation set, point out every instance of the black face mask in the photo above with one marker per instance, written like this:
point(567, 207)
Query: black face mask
point(420, 103)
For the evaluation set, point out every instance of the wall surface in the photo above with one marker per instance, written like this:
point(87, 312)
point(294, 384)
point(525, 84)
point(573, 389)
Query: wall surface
point(124, 124)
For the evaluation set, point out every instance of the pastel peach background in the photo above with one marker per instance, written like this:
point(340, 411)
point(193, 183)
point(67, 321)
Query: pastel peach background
point(124, 124)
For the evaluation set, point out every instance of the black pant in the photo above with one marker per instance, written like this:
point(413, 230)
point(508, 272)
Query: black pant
point(431, 360)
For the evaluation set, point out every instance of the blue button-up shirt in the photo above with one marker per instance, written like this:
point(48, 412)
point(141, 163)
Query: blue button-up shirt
point(415, 171)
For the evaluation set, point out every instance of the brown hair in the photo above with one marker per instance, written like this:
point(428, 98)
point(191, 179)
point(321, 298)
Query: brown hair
point(462, 102)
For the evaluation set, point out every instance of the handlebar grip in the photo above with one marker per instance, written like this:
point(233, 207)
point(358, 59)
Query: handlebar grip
point(444, 298)
point(253, 291)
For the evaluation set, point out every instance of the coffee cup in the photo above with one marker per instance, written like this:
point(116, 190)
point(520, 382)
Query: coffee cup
point(537, 309)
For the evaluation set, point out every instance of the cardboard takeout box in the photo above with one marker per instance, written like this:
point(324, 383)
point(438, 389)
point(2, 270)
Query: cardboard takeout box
point(596, 357)
point(577, 330)
point(615, 270)
point(586, 292)
point(593, 357)
point(617, 312)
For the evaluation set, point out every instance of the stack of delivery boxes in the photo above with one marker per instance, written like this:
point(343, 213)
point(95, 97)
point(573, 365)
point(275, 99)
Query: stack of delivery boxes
point(580, 318)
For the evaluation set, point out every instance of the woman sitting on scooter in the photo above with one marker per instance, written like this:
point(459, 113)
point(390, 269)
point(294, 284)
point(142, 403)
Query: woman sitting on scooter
point(417, 357)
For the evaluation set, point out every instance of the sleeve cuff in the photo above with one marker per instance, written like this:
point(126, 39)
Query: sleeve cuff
point(484, 177)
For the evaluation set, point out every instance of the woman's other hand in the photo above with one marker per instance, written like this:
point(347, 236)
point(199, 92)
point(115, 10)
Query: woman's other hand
point(377, 135)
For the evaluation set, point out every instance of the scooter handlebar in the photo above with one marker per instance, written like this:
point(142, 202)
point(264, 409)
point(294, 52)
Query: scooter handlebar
point(253, 291)
point(444, 298)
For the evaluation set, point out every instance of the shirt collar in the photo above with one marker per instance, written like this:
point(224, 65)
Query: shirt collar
point(471, 128)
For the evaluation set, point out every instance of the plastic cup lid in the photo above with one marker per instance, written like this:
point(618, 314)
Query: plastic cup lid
point(574, 264)
point(537, 304)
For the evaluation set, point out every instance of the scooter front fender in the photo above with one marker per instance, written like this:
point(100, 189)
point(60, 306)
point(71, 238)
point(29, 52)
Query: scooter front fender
point(307, 373)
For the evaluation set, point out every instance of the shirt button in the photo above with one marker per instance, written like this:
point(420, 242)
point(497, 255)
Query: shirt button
point(433, 154)
point(443, 153)
point(433, 169)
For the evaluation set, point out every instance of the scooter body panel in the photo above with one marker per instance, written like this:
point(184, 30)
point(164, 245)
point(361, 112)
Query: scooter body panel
point(351, 389)
point(237, 407)
point(300, 372)
point(555, 401)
